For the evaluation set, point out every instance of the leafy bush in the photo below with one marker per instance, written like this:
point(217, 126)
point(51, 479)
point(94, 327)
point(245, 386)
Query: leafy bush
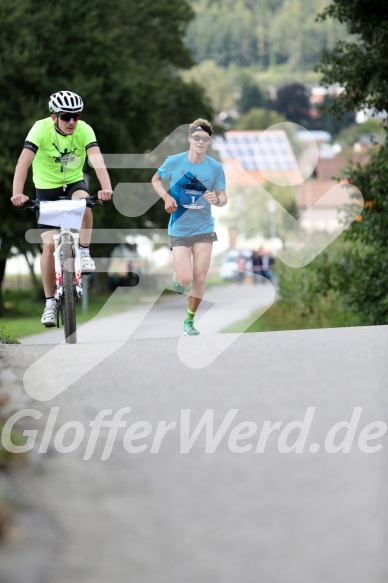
point(365, 277)
point(321, 294)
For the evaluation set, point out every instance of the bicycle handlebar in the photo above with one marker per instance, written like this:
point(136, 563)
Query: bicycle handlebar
point(34, 205)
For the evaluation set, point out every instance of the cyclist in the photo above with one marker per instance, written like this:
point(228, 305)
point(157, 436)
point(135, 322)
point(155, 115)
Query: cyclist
point(197, 182)
point(57, 147)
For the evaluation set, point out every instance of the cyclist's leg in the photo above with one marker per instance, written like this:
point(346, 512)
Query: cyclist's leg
point(47, 269)
point(47, 263)
point(201, 262)
point(46, 234)
point(80, 190)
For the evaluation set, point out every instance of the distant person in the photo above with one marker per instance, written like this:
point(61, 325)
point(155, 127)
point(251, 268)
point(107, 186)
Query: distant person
point(256, 265)
point(197, 183)
point(266, 265)
point(241, 268)
point(57, 147)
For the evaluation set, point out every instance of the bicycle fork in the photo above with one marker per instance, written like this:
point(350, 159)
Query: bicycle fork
point(59, 267)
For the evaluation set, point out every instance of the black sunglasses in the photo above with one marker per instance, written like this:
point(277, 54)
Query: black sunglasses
point(205, 139)
point(69, 116)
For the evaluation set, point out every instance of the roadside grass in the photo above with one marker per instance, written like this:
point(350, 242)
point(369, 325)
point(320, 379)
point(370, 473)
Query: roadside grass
point(23, 312)
point(6, 338)
point(281, 316)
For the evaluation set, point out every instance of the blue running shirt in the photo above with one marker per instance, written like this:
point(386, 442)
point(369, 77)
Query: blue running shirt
point(188, 183)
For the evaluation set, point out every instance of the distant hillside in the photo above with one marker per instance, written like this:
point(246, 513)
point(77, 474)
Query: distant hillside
point(261, 33)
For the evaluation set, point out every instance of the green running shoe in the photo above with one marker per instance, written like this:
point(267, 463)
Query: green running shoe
point(188, 328)
point(177, 287)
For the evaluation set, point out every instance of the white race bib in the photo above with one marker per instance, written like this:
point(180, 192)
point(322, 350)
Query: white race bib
point(191, 199)
point(62, 213)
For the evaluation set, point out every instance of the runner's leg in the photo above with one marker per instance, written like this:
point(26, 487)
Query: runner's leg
point(201, 262)
point(182, 265)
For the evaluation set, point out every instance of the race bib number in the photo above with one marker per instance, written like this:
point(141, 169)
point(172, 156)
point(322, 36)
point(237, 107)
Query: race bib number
point(191, 199)
point(67, 214)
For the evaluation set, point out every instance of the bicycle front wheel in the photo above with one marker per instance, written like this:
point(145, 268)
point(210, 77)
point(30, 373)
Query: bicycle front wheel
point(68, 298)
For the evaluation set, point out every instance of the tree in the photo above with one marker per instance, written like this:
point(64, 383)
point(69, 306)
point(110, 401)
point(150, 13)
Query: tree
point(295, 37)
point(251, 96)
point(363, 276)
point(292, 101)
point(333, 123)
point(258, 119)
point(360, 66)
point(370, 131)
point(122, 57)
point(261, 34)
point(219, 83)
point(223, 31)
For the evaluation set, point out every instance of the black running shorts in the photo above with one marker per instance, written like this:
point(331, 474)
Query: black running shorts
point(189, 241)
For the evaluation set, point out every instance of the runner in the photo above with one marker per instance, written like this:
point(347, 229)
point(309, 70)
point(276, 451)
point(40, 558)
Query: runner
point(197, 182)
point(57, 147)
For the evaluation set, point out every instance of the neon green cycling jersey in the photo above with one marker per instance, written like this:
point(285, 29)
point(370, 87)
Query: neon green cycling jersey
point(47, 168)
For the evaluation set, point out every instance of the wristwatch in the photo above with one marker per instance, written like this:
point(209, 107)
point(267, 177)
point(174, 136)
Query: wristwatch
point(218, 200)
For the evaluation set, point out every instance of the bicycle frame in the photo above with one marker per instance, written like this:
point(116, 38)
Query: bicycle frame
point(68, 273)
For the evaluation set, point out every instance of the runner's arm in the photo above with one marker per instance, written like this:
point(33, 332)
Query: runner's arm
point(213, 196)
point(170, 204)
point(20, 176)
point(97, 161)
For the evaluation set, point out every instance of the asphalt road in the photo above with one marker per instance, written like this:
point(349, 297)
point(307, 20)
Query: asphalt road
point(167, 500)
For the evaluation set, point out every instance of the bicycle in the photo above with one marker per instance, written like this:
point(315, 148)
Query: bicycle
point(68, 274)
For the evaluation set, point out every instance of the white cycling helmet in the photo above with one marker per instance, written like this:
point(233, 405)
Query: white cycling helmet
point(65, 101)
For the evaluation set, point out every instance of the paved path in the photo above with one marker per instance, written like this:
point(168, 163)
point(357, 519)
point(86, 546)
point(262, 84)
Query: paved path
point(239, 505)
point(222, 306)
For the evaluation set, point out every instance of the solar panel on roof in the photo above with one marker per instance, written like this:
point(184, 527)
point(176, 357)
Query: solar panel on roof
point(258, 151)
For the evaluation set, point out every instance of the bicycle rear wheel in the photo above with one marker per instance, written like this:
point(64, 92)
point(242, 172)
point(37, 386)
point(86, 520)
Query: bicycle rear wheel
point(68, 298)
